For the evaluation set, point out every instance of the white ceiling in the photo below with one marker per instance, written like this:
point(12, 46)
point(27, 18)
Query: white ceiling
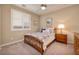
point(35, 8)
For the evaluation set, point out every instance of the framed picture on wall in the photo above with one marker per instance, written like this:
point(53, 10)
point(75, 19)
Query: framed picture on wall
point(49, 22)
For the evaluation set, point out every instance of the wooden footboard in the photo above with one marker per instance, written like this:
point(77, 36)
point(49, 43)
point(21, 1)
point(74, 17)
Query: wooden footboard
point(34, 42)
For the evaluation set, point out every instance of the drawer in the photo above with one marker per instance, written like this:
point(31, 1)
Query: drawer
point(61, 38)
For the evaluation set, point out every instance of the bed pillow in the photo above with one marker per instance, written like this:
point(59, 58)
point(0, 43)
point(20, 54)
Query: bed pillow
point(48, 32)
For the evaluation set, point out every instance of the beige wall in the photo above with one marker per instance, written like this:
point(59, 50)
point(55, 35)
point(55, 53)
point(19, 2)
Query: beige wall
point(0, 24)
point(68, 16)
point(9, 36)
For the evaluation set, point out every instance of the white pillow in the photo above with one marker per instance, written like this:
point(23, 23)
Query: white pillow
point(50, 30)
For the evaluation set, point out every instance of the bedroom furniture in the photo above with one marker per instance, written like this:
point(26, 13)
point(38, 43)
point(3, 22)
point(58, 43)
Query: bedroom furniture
point(76, 43)
point(61, 38)
point(40, 41)
point(34, 42)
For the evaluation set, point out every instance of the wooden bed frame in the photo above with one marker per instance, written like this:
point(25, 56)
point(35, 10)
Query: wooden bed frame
point(35, 42)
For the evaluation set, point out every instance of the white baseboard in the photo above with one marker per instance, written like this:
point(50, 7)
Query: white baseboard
point(10, 43)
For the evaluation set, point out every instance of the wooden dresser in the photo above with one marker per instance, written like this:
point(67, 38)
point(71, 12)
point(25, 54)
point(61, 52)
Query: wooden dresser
point(61, 38)
point(76, 43)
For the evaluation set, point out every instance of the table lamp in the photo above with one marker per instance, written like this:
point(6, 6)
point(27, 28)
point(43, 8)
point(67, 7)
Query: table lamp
point(61, 27)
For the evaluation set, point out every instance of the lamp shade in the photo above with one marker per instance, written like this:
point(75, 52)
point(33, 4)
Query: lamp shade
point(61, 26)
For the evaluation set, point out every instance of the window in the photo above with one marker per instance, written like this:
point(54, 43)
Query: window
point(20, 20)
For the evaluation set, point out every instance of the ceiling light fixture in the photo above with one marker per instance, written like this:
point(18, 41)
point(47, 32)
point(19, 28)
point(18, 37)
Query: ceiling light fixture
point(43, 6)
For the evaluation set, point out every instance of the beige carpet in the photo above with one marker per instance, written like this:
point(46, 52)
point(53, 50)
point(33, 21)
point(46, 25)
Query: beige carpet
point(21, 48)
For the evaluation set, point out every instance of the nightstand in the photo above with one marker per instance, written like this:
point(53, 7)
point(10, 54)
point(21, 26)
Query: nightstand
point(61, 38)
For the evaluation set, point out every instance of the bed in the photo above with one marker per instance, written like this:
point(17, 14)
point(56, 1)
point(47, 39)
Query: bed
point(40, 40)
